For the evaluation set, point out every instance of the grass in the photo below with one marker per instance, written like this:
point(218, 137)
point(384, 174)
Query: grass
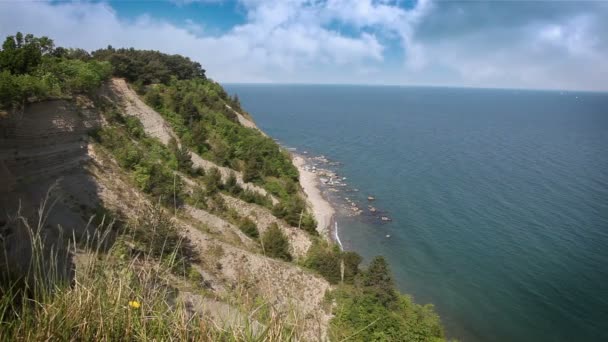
point(124, 292)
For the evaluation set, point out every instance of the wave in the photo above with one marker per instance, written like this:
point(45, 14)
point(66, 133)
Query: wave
point(337, 236)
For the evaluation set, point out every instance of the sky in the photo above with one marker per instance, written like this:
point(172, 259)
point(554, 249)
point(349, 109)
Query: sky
point(540, 44)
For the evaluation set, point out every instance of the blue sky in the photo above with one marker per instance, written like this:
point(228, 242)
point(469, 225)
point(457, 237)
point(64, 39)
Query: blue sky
point(476, 43)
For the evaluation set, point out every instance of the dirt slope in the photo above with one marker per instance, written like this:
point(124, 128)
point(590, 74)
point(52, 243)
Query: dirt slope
point(245, 121)
point(226, 265)
point(48, 144)
point(155, 126)
point(299, 241)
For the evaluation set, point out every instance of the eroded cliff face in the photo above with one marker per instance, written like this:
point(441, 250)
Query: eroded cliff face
point(43, 161)
point(47, 156)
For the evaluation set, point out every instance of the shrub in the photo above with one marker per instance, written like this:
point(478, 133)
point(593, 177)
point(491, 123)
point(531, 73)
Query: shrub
point(182, 157)
point(324, 259)
point(361, 315)
point(232, 186)
point(249, 227)
point(158, 236)
point(378, 281)
point(275, 243)
point(213, 181)
point(254, 197)
point(351, 260)
point(293, 211)
point(199, 197)
point(134, 127)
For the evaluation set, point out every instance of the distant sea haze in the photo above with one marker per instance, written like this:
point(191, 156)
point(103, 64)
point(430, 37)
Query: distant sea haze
point(499, 198)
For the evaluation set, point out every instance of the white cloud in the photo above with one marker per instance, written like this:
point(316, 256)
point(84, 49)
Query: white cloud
point(475, 46)
point(346, 41)
point(272, 46)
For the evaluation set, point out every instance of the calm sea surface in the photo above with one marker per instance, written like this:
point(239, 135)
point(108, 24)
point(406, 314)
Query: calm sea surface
point(499, 198)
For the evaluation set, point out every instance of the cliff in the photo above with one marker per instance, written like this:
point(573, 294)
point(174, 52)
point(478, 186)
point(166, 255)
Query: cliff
point(142, 202)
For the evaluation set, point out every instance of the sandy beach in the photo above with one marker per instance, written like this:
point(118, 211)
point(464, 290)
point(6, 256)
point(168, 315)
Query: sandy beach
point(322, 209)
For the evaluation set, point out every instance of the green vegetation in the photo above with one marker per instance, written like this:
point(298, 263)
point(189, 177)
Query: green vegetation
point(31, 69)
point(150, 163)
point(123, 287)
point(275, 243)
point(123, 293)
point(156, 235)
point(249, 227)
point(327, 259)
point(143, 67)
point(197, 108)
point(293, 211)
point(371, 309)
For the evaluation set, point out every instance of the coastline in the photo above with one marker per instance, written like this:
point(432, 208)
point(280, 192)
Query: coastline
point(323, 211)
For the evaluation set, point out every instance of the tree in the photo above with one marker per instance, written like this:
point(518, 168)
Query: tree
point(182, 155)
point(232, 185)
point(379, 281)
point(153, 98)
point(351, 261)
point(47, 45)
point(324, 259)
point(213, 181)
point(275, 243)
point(20, 55)
point(309, 223)
point(189, 111)
point(251, 171)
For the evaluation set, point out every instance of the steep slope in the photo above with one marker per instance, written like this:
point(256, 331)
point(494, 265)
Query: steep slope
point(299, 241)
point(288, 288)
point(244, 121)
point(49, 143)
point(115, 233)
point(155, 126)
point(46, 144)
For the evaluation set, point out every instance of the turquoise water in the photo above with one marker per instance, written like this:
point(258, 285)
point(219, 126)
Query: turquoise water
point(499, 198)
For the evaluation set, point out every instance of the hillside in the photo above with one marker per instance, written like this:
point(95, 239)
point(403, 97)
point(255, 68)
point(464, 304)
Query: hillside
point(140, 201)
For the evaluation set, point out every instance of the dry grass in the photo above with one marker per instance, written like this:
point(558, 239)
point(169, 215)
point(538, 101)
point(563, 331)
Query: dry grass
point(120, 293)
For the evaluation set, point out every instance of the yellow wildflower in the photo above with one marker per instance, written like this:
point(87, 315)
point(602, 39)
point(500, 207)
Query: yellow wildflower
point(134, 304)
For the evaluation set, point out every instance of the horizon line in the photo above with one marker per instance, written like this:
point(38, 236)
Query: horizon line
point(415, 86)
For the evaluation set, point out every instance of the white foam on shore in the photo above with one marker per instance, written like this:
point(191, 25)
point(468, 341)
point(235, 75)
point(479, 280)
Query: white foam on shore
point(338, 236)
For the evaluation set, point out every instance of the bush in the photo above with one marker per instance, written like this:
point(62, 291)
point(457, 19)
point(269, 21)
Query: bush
point(249, 227)
point(199, 198)
point(378, 281)
point(213, 181)
point(351, 260)
point(275, 243)
point(324, 259)
point(361, 314)
point(232, 186)
point(134, 127)
point(151, 163)
point(30, 70)
point(328, 259)
point(182, 156)
point(254, 197)
point(156, 235)
point(293, 211)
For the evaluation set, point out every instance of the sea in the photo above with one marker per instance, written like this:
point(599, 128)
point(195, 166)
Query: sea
point(498, 198)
